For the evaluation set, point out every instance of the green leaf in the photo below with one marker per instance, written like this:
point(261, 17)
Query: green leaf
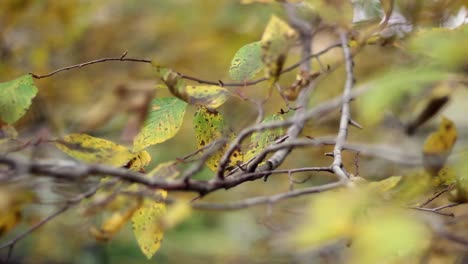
point(445, 46)
point(147, 227)
point(16, 97)
point(163, 122)
point(94, 150)
point(390, 88)
point(261, 140)
point(210, 96)
point(247, 62)
point(382, 232)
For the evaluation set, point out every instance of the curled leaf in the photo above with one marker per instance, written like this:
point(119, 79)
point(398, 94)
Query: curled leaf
point(438, 146)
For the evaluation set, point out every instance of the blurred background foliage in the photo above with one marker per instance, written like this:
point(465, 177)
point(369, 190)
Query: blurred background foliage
point(199, 38)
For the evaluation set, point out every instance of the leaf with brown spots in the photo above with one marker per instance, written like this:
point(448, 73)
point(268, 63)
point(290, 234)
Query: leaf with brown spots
point(147, 226)
point(209, 126)
point(94, 150)
point(163, 122)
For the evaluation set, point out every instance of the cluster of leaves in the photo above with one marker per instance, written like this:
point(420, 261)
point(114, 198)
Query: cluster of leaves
point(373, 214)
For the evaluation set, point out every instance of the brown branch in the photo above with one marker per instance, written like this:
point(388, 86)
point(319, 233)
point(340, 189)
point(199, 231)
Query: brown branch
point(436, 195)
point(184, 76)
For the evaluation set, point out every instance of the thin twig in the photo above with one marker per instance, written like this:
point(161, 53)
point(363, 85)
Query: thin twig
point(184, 76)
point(70, 203)
point(436, 195)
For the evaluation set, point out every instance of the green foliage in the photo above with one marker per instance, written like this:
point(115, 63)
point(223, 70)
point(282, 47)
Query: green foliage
point(164, 120)
point(261, 140)
point(392, 87)
point(15, 98)
point(247, 62)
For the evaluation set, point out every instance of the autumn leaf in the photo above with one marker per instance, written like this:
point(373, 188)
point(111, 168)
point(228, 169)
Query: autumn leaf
point(147, 227)
point(94, 150)
point(260, 140)
point(209, 126)
point(276, 41)
point(438, 146)
point(112, 224)
point(12, 200)
point(16, 97)
point(164, 120)
point(211, 96)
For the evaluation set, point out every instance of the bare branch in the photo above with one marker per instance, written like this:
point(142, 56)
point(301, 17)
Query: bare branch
point(265, 199)
point(345, 110)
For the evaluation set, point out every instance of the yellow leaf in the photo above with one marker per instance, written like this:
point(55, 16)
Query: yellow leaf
point(276, 41)
point(113, 224)
point(176, 214)
point(385, 185)
point(94, 150)
point(12, 200)
point(210, 96)
point(165, 170)
point(438, 146)
point(147, 226)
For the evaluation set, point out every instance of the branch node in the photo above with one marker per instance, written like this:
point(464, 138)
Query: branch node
point(354, 123)
point(123, 55)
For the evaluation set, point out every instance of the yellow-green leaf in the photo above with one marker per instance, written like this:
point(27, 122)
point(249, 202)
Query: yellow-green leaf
point(94, 150)
point(261, 140)
point(247, 62)
point(389, 236)
point(210, 96)
point(16, 97)
point(163, 122)
point(147, 227)
point(389, 89)
point(447, 47)
point(176, 214)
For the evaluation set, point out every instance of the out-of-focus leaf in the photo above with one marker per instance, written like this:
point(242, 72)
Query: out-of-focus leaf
point(260, 140)
point(389, 236)
point(383, 186)
point(209, 126)
point(247, 62)
point(12, 201)
point(147, 226)
point(276, 41)
point(112, 224)
point(165, 170)
point(163, 122)
point(140, 161)
point(327, 219)
point(438, 146)
point(15, 98)
point(176, 214)
point(335, 11)
point(460, 193)
point(390, 88)
point(94, 150)
point(447, 47)
point(210, 96)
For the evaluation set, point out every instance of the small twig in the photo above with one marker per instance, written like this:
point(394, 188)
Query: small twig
point(265, 199)
point(436, 195)
point(436, 209)
point(10, 244)
point(198, 80)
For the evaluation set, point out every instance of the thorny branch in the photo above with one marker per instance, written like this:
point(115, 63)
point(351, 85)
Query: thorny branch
point(345, 110)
